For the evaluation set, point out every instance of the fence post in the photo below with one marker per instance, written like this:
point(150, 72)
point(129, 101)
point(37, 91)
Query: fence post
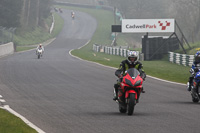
point(177, 58)
point(171, 56)
point(125, 53)
point(174, 58)
point(191, 58)
point(184, 59)
point(117, 51)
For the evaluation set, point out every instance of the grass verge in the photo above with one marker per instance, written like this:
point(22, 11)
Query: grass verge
point(12, 124)
point(38, 35)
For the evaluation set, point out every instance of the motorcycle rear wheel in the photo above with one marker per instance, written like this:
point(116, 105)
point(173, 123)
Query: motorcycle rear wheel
point(131, 103)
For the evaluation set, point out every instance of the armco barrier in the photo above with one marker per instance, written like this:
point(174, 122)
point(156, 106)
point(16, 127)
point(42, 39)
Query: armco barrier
point(52, 24)
point(6, 49)
point(113, 50)
point(182, 59)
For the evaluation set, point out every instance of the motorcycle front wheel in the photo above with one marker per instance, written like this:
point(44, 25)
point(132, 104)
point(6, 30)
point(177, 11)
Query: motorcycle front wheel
point(131, 103)
point(122, 110)
point(195, 100)
point(195, 97)
point(38, 56)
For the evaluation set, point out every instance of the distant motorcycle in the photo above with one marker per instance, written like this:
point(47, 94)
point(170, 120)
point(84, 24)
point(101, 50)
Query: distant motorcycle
point(129, 91)
point(195, 91)
point(55, 9)
point(60, 10)
point(39, 53)
point(73, 16)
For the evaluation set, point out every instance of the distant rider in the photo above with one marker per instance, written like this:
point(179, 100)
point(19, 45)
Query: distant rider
point(131, 62)
point(72, 14)
point(40, 47)
point(195, 68)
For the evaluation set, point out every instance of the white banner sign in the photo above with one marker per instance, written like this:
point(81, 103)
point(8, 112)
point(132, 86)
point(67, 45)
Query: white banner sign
point(148, 25)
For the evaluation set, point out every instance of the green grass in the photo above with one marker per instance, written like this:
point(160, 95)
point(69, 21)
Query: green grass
point(12, 124)
point(166, 70)
point(24, 48)
point(38, 35)
point(192, 51)
point(59, 23)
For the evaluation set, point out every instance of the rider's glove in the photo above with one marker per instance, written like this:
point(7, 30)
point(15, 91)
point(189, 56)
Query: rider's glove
point(192, 71)
point(143, 76)
point(196, 69)
point(120, 75)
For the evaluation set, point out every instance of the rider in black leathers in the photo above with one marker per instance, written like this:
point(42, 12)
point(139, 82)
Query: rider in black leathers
point(131, 62)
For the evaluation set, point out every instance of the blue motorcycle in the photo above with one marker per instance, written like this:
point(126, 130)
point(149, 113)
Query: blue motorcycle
point(195, 91)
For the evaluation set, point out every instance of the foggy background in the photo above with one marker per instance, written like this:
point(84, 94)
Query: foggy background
point(186, 12)
point(28, 14)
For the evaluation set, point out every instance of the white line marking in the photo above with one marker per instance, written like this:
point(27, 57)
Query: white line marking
point(116, 68)
point(0, 96)
point(23, 118)
point(2, 100)
point(84, 45)
point(166, 80)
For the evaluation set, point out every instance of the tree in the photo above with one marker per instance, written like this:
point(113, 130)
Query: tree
point(10, 13)
point(33, 12)
point(188, 15)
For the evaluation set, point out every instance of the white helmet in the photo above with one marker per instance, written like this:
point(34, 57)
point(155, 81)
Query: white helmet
point(132, 57)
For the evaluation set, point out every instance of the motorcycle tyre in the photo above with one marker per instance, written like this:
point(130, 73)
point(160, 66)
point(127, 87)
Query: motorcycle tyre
point(195, 100)
point(38, 56)
point(131, 103)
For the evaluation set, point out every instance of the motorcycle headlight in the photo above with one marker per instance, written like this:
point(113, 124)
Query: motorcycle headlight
point(137, 83)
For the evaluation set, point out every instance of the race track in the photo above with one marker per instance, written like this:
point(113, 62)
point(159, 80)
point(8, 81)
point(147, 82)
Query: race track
point(62, 94)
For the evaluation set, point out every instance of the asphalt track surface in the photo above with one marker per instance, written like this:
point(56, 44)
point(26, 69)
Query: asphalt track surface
point(62, 94)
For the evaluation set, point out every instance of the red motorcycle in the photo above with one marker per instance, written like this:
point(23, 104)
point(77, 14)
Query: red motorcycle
point(129, 91)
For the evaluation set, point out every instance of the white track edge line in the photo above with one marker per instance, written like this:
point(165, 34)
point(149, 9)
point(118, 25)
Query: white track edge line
point(2, 100)
point(6, 107)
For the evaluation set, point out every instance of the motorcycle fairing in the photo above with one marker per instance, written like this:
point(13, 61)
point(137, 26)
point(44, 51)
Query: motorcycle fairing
point(197, 77)
point(133, 81)
point(131, 91)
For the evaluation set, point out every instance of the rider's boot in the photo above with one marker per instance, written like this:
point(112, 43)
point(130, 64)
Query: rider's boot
point(137, 100)
point(189, 86)
point(116, 92)
point(115, 97)
point(143, 91)
point(189, 83)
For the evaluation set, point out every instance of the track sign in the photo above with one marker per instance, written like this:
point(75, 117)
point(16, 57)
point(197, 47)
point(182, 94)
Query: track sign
point(148, 25)
point(116, 28)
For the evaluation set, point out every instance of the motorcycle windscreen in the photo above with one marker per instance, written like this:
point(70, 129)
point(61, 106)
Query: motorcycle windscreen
point(131, 78)
point(133, 72)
